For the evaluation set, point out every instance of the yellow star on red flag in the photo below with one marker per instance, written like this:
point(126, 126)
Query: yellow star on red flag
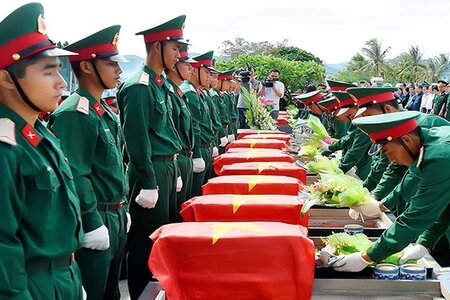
point(221, 229)
point(254, 180)
point(266, 165)
point(238, 200)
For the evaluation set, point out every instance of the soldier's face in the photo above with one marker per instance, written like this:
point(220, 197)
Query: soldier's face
point(43, 83)
point(397, 154)
point(185, 69)
point(442, 87)
point(109, 71)
point(349, 115)
point(206, 76)
point(171, 53)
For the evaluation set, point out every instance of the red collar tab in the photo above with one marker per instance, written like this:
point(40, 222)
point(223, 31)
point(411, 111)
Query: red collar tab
point(180, 93)
point(30, 135)
point(158, 80)
point(384, 136)
point(98, 109)
point(162, 36)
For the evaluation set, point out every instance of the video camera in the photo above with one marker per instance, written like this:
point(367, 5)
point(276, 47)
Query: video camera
point(269, 82)
point(245, 73)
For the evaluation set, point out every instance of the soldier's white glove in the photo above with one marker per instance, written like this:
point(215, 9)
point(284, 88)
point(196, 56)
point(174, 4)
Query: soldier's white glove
point(370, 209)
point(351, 263)
point(223, 141)
point(179, 184)
point(97, 239)
point(128, 221)
point(83, 293)
point(231, 138)
point(215, 152)
point(324, 146)
point(147, 198)
point(413, 252)
point(198, 165)
point(353, 214)
point(352, 172)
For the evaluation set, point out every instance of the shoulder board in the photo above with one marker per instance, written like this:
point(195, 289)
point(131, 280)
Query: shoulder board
point(171, 89)
point(192, 88)
point(83, 105)
point(205, 92)
point(8, 131)
point(144, 79)
point(214, 93)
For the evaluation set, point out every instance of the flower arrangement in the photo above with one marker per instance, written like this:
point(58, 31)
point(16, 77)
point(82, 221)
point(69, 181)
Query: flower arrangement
point(257, 114)
point(322, 164)
point(292, 114)
point(267, 103)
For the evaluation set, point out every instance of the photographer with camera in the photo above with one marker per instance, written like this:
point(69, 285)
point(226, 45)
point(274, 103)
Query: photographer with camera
point(273, 89)
point(248, 81)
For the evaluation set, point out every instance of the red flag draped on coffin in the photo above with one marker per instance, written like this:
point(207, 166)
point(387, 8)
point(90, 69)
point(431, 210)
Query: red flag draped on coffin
point(223, 261)
point(248, 132)
point(265, 168)
point(249, 156)
point(265, 150)
point(252, 185)
point(244, 208)
point(257, 143)
point(282, 137)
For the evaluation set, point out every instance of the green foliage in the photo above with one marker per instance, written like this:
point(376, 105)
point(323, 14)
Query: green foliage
point(295, 54)
point(256, 114)
point(294, 74)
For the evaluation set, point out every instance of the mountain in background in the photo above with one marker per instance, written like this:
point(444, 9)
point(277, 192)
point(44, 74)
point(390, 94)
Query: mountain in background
point(333, 69)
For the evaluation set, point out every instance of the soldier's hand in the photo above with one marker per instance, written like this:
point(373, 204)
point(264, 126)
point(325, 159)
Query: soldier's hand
point(179, 184)
point(370, 209)
point(231, 138)
point(413, 252)
point(215, 152)
point(97, 239)
point(147, 198)
point(128, 221)
point(198, 165)
point(223, 141)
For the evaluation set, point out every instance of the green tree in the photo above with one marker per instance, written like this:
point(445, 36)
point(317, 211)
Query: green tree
point(294, 74)
point(240, 46)
point(411, 66)
point(437, 67)
point(295, 54)
point(376, 57)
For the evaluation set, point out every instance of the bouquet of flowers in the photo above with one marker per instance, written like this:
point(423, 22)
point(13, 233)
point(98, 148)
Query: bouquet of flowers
point(257, 115)
point(323, 164)
point(267, 103)
point(339, 190)
point(292, 113)
point(311, 146)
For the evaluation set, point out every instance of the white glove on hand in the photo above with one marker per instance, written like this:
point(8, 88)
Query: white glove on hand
point(353, 214)
point(128, 221)
point(369, 209)
point(215, 152)
point(223, 141)
point(324, 146)
point(147, 198)
point(231, 138)
point(179, 184)
point(97, 239)
point(83, 293)
point(413, 252)
point(352, 172)
point(198, 165)
point(351, 263)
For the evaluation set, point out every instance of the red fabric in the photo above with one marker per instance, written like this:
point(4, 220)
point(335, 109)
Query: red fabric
point(379, 98)
point(252, 184)
point(86, 53)
point(257, 143)
point(283, 137)
point(162, 36)
point(265, 168)
point(264, 150)
point(340, 88)
point(313, 99)
point(248, 132)
point(282, 122)
point(200, 63)
point(394, 132)
point(249, 156)
point(224, 77)
point(347, 102)
point(244, 208)
point(233, 260)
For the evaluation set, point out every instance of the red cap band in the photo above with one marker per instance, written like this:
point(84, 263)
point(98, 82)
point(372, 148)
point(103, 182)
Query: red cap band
point(162, 36)
point(378, 98)
point(184, 54)
point(313, 99)
point(91, 52)
point(347, 103)
point(338, 88)
point(24, 42)
point(224, 77)
point(332, 106)
point(200, 63)
point(394, 132)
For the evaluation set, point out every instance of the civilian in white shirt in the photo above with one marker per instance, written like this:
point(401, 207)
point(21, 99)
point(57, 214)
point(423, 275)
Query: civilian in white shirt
point(426, 98)
point(273, 89)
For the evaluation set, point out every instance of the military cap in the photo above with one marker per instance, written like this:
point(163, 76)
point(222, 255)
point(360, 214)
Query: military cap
point(23, 33)
point(204, 60)
point(339, 85)
point(443, 81)
point(102, 44)
point(387, 127)
point(345, 101)
point(184, 55)
point(310, 97)
point(226, 75)
point(367, 97)
point(169, 31)
point(331, 104)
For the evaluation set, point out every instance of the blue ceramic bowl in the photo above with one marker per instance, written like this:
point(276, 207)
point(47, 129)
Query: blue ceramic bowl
point(413, 272)
point(353, 229)
point(386, 272)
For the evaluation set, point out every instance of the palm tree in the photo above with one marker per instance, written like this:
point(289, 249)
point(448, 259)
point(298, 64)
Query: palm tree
point(376, 56)
point(437, 67)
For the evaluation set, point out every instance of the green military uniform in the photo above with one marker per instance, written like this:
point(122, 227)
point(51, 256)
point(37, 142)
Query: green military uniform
point(429, 204)
point(439, 100)
point(226, 104)
point(213, 101)
point(91, 138)
point(41, 220)
point(152, 144)
point(234, 97)
point(229, 106)
point(394, 173)
point(336, 128)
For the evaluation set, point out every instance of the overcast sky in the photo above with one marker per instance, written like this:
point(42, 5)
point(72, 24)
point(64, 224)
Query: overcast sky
point(334, 30)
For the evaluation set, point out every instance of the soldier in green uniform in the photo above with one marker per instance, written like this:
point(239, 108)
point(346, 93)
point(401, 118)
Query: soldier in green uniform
point(310, 100)
point(152, 144)
point(182, 119)
point(221, 110)
point(210, 124)
point(440, 99)
point(91, 139)
point(426, 152)
point(234, 96)
point(224, 87)
point(337, 128)
point(41, 219)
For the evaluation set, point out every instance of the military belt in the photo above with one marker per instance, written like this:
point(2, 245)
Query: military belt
point(172, 157)
point(46, 265)
point(186, 153)
point(110, 206)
